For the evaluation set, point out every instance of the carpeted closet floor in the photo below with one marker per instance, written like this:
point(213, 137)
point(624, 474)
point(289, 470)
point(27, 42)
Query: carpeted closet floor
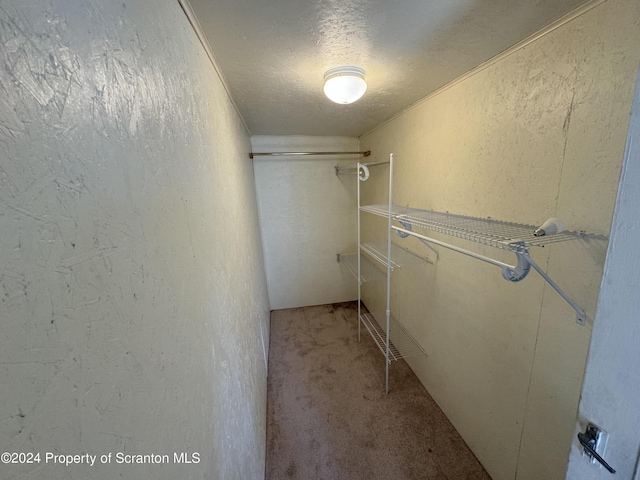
point(328, 415)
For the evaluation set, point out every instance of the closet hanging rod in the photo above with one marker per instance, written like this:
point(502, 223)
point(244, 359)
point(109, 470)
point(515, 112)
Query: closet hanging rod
point(284, 154)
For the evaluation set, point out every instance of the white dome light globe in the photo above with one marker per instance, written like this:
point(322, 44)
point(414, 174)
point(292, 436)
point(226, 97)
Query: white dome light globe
point(344, 84)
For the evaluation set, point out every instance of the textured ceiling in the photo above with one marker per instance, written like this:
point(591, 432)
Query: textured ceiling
point(273, 54)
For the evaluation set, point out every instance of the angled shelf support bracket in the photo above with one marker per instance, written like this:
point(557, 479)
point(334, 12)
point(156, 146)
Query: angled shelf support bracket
point(403, 234)
point(582, 317)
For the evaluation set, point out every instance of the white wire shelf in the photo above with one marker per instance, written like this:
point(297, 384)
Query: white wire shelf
point(401, 342)
point(368, 271)
point(516, 237)
point(399, 256)
point(487, 231)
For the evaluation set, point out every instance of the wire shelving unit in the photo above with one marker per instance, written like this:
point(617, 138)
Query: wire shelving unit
point(516, 237)
point(391, 337)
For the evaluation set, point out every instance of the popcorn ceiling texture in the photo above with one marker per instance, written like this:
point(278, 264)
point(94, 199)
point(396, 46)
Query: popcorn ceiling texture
point(275, 58)
point(133, 299)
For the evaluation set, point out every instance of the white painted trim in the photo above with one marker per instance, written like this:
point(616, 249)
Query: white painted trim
point(195, 24)
point(497, 58)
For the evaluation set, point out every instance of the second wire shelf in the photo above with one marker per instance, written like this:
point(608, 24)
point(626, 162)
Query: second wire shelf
point(368, 271)
point(399, 256)
point(401, 342)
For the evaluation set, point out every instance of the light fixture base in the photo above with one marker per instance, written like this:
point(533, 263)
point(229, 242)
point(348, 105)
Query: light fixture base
point(345, 84)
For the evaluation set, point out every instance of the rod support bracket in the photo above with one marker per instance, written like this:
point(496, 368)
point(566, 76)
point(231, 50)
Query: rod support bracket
point(521, 270)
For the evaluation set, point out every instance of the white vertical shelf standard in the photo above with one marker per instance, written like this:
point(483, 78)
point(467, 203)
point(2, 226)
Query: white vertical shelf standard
point(393, 339)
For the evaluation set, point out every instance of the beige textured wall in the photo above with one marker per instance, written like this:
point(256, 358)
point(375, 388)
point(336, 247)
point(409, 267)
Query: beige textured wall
point(133, 301)
point(306, 216)
point(538, 134)
point(611, 386)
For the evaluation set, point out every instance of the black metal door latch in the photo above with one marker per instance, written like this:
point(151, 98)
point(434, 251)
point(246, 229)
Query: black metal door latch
point(589, 441)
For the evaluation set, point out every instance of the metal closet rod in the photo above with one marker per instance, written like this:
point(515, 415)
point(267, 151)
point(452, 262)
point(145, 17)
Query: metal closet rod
point(284, 154)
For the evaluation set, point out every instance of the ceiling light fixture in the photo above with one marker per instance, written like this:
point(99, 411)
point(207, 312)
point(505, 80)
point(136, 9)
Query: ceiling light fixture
point(344, 84)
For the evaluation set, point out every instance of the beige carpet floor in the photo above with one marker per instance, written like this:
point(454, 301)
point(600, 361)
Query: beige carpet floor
point(329, 417)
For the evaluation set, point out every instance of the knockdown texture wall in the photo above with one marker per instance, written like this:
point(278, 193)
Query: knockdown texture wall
point(132, 291)
point(538, 134)
point(611, 385)
point(306, 216)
